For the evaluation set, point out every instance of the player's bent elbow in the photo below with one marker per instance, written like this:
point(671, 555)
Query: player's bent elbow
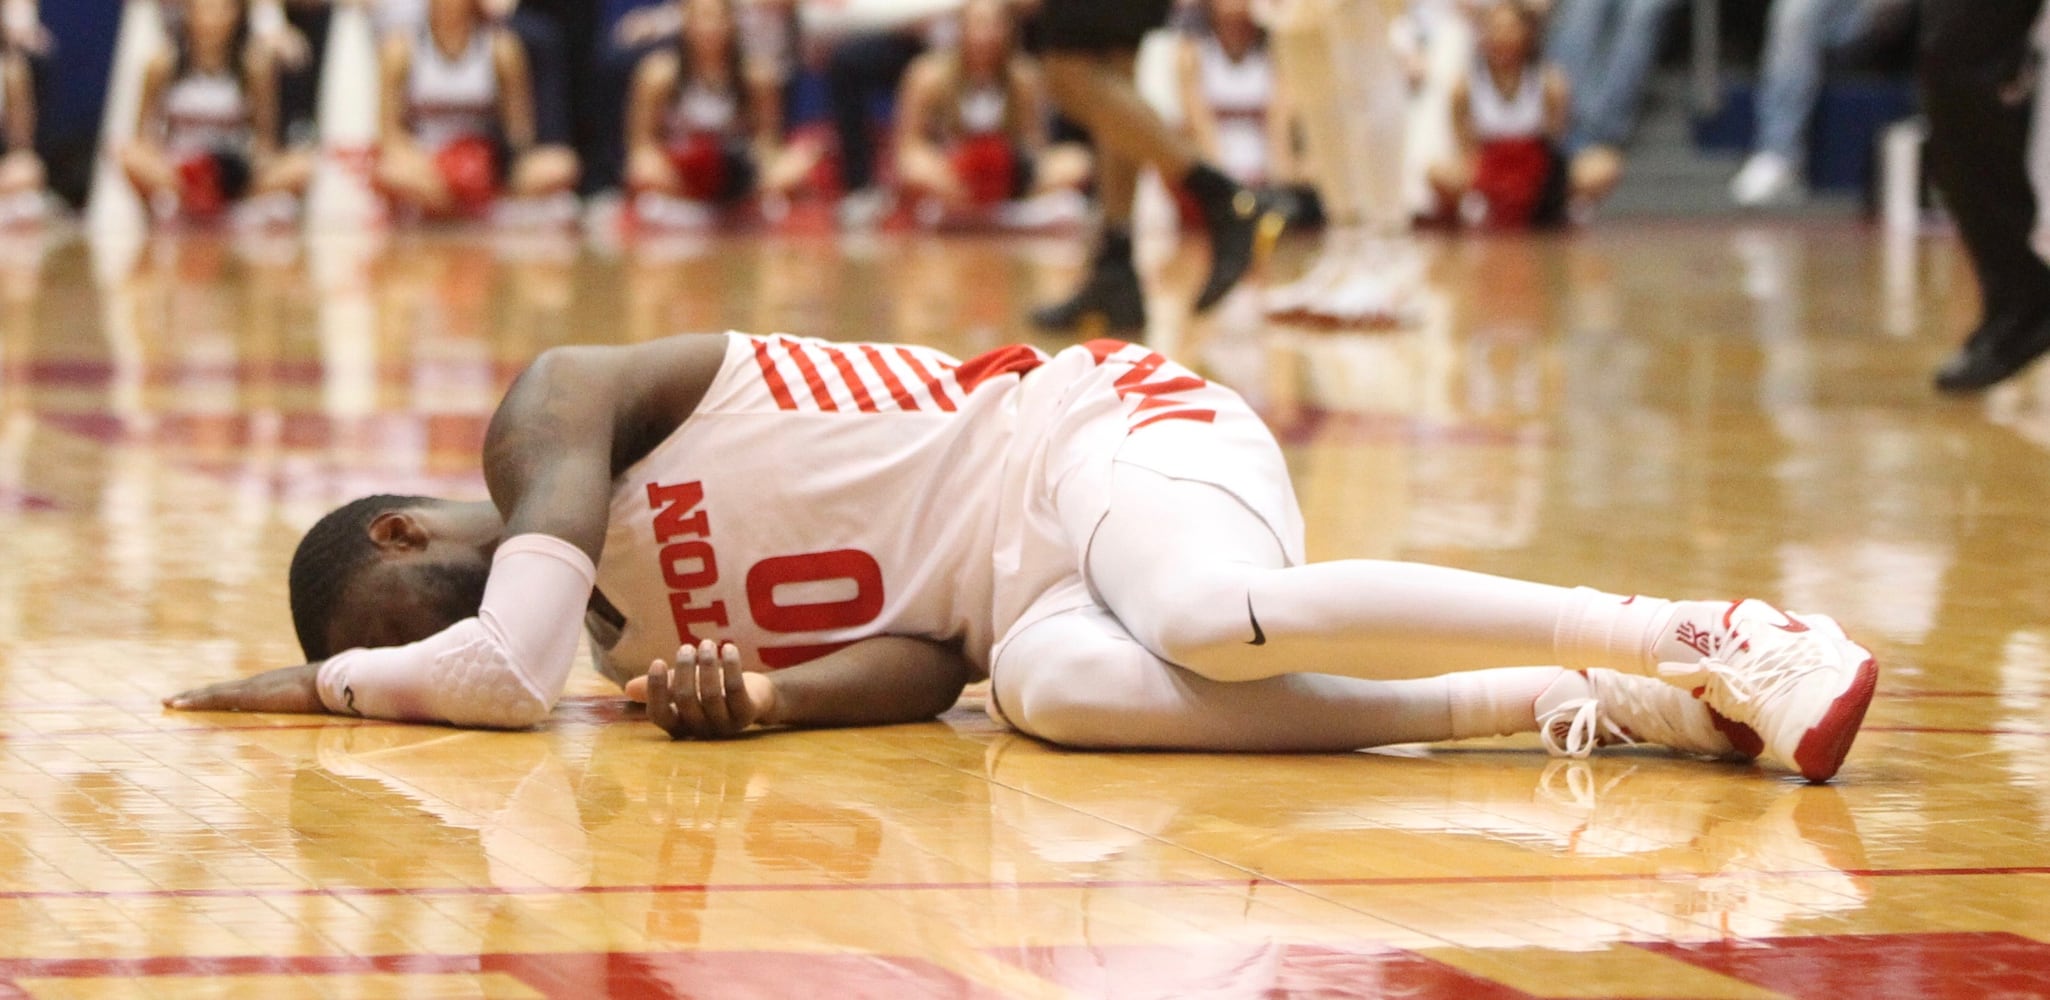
point(522, 711)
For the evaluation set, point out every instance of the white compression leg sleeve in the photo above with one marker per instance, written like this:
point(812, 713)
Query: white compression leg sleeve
point(1200, 581)
point(1078, 679)
point(502, 669)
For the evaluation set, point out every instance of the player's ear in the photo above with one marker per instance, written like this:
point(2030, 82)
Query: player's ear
point(398, 531)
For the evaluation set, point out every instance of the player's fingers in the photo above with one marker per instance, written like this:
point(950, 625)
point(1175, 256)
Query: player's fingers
point(712, 696)
point(683, 686)
point(739, 706)
point(637, 689)
point(660, 709)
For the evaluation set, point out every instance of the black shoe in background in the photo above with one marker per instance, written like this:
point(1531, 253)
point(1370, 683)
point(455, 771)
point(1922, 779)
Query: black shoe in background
point(1996, 351)
point(1110, 293)
point(1242, 224)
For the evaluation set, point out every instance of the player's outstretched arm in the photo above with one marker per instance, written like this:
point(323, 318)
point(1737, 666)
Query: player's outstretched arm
point(875, 682)
point(286, 689)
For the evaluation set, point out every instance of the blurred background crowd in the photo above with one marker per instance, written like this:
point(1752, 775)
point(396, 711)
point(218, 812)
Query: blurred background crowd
point(671, 114)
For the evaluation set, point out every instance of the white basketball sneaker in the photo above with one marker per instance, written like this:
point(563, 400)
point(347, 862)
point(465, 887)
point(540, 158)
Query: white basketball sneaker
point(1593, 708)
point(1796, 681)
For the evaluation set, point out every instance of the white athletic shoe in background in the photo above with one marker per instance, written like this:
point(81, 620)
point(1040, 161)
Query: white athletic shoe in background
point(1328, 269)
point(1797, 681)
point(1593, 708)
point(1051, 210)
point(23, 210)
point(1766, 179)
point(660, 211)
point(865, 209)
point(1380, 287)
point(277, 210)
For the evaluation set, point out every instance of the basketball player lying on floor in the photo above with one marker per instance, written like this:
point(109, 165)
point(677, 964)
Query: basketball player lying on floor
point(846, 534)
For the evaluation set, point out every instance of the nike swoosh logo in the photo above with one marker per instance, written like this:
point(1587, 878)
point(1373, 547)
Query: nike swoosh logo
point(1259, 635)
point(1792, 624)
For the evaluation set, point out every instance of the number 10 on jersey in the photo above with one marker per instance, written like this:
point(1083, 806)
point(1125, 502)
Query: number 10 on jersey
point(808, 592)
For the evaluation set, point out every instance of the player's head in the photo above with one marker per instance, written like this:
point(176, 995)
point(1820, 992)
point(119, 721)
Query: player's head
point(462, 13)
point(1510, 30)
point(215, 26)
point(388, 570)
point(708, 29)
point(1229, 15)
point(986, 33)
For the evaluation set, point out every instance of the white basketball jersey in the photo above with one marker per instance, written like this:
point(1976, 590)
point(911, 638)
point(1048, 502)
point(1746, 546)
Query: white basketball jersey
point(204, 112)
point(1498, 116)
point(701, 109)
point(981, 109)
point(450, 99)
point(821, 493)
point(1238, 93)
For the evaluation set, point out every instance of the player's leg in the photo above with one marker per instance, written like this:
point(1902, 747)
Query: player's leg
point(1373, 88)
point(1079, 679)
point(1201, 581)
point(1307, 63)
point(408, 174)
point(1110, 290)
point(543, 171)
point(1090, 50)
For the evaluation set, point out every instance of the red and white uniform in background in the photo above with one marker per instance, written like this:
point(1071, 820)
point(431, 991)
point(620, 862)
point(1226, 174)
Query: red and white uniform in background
point(702, 110)
point(449, 100)
point(824, 493)
point(1513, 158)
point(1239, 92)
point(985, 157)
point(206, 113)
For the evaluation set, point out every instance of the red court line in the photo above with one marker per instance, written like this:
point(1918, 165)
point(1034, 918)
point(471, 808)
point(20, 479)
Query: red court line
point(1915, 695)
point(1953, 731)
point(1086, 885)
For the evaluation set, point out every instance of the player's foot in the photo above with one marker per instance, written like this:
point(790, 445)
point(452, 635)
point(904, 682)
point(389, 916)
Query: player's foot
point(865, 209)
point(2004, 346)
point(1586, 709)
point(1379, 289)
point(1796, 681)
point(1292, 299)
point(1766, 179)
point(1110, 294)
point(1243, 226)
point(664, 213)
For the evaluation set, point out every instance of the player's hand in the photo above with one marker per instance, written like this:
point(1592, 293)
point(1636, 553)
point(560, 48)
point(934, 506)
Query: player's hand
point(290, 689)
point(705, 695)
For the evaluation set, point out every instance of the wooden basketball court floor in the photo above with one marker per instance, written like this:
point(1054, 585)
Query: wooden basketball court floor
point(1684, 410)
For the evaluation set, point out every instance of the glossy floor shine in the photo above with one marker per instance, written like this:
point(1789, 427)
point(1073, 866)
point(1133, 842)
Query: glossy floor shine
point(1676, 410)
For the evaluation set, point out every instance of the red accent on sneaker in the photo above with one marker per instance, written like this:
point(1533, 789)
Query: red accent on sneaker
point(1826, 744)
point(1744, 738)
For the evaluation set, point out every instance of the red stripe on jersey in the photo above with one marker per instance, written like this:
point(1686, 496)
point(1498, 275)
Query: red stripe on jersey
point(779, 657)
point(1017, 359)
point(774, 378)
point(1199, 416)
point(800, 354)
point(1103, 347)
point(862, 399)
point(932, 382)
point(905, 401)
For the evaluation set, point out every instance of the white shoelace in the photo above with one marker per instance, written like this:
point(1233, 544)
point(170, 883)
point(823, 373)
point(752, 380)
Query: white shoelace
point(1574, 728)
point(1755, 671)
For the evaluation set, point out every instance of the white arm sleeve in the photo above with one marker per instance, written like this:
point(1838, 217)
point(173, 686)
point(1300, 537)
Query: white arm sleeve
point(502, 669)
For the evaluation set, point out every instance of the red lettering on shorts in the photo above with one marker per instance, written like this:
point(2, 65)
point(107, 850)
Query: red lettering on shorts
point(1159, 398)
